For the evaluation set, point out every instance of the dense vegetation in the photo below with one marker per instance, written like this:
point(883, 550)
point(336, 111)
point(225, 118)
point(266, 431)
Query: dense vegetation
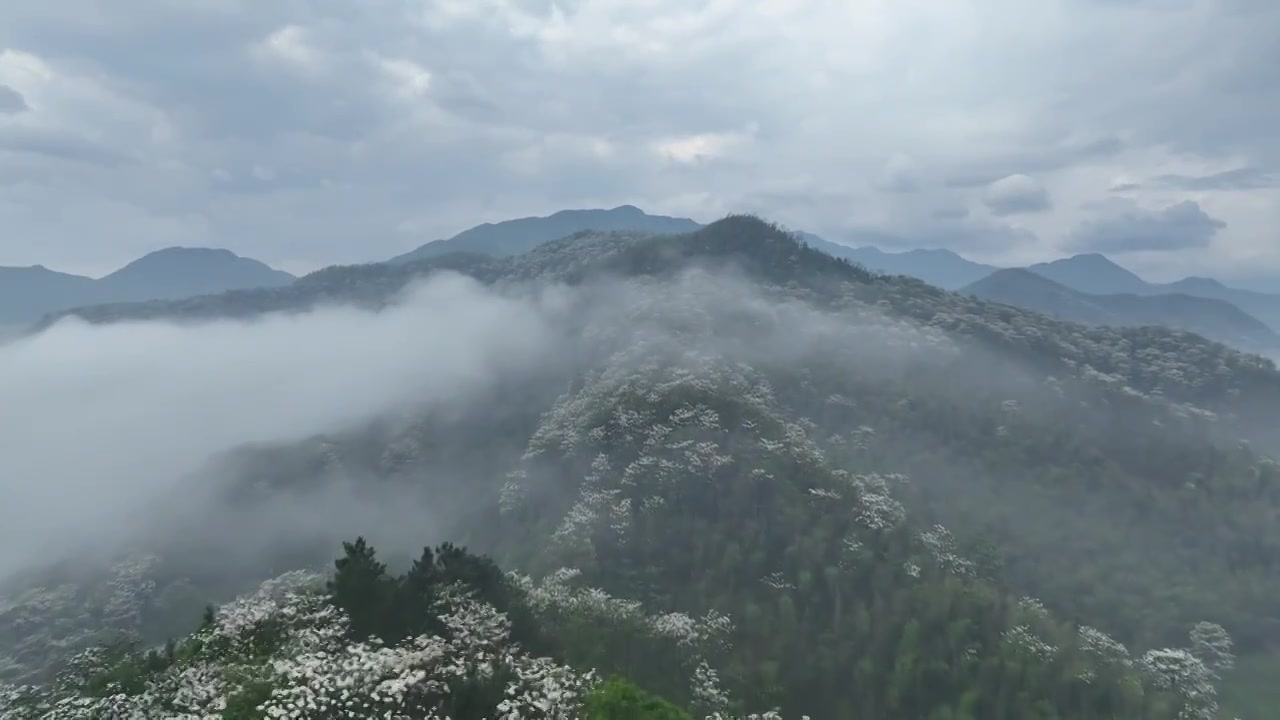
point(767, 478)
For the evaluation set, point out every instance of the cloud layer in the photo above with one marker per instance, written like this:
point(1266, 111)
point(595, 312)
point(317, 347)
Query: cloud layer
point(100, 421)
point(1120, 226)
point(306, 132)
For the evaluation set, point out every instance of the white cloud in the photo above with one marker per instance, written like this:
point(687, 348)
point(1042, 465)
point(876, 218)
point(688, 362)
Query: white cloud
point(702, 146)
point(88, 447)
point(290, 45)
point(1016, 194)
point(899, 174)
point(409, 79)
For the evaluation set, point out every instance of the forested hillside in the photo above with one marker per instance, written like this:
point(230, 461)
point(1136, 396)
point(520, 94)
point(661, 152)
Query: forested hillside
point(755, 477)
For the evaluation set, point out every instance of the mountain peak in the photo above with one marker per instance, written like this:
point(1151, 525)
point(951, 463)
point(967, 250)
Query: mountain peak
point(184, 251)
point(1093, 259)
point(178, 254)
point(1197, 282)
point(937, 266)
point(1092, 273)
point(184, 271)
point(514, 237)
point(169, 273)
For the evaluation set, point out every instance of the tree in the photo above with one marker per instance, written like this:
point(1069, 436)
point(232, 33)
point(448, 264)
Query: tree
point(362, 589)
point(1212, 645)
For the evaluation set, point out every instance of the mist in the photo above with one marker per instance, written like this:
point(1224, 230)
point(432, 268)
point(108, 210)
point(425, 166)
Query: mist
point(98, 421)
point(117, 434)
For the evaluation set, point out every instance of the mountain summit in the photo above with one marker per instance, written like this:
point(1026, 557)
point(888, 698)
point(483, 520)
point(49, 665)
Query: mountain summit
point(28, 293)
point(936, 266)
point(513, 237)
point(184, 272)
point(1091, 273)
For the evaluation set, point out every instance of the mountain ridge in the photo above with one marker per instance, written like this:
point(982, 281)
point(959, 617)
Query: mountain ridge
point(28, 293)
point(937, 266)
point(1212, 318)
point(510, 237)
point(1096, 274)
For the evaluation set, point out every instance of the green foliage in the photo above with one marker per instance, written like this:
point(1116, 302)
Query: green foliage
point(617, 699)
point(244, 703)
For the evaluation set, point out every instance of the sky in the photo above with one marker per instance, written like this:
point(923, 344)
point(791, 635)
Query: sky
point(311, 132)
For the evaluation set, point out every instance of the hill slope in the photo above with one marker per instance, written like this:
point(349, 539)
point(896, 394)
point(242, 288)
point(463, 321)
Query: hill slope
point(1215, 319)
point(26, 294)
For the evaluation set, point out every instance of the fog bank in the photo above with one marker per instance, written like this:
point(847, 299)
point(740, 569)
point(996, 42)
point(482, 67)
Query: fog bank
point(97, 420)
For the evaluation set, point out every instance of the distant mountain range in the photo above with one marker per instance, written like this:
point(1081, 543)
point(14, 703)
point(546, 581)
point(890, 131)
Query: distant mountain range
point(1087, 288)
point(1214, 319)
point(28, 293)
point(1094, 273)
point(941, 268)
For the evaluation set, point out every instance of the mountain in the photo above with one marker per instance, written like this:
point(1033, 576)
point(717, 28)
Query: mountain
point(512, 237)
point(1097, 275)
point(840, 493)
point(942, 268)
point(1091, 273)
point(178, 272)
point(1264, 306)
point(28, 293)
point(1214, 319)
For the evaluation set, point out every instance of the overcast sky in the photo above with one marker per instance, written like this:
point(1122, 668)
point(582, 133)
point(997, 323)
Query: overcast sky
point(312, 132)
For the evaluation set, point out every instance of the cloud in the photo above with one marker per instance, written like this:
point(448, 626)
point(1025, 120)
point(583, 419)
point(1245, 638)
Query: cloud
point(11, 101)
point(59, 146)
point(950, 228)
point(1243, 178)
point(1016, 194)
point(436, 114)
point(1123, 226)
point(135, 445)
point(950, 213)
point(899, 175)
point(89, 448)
